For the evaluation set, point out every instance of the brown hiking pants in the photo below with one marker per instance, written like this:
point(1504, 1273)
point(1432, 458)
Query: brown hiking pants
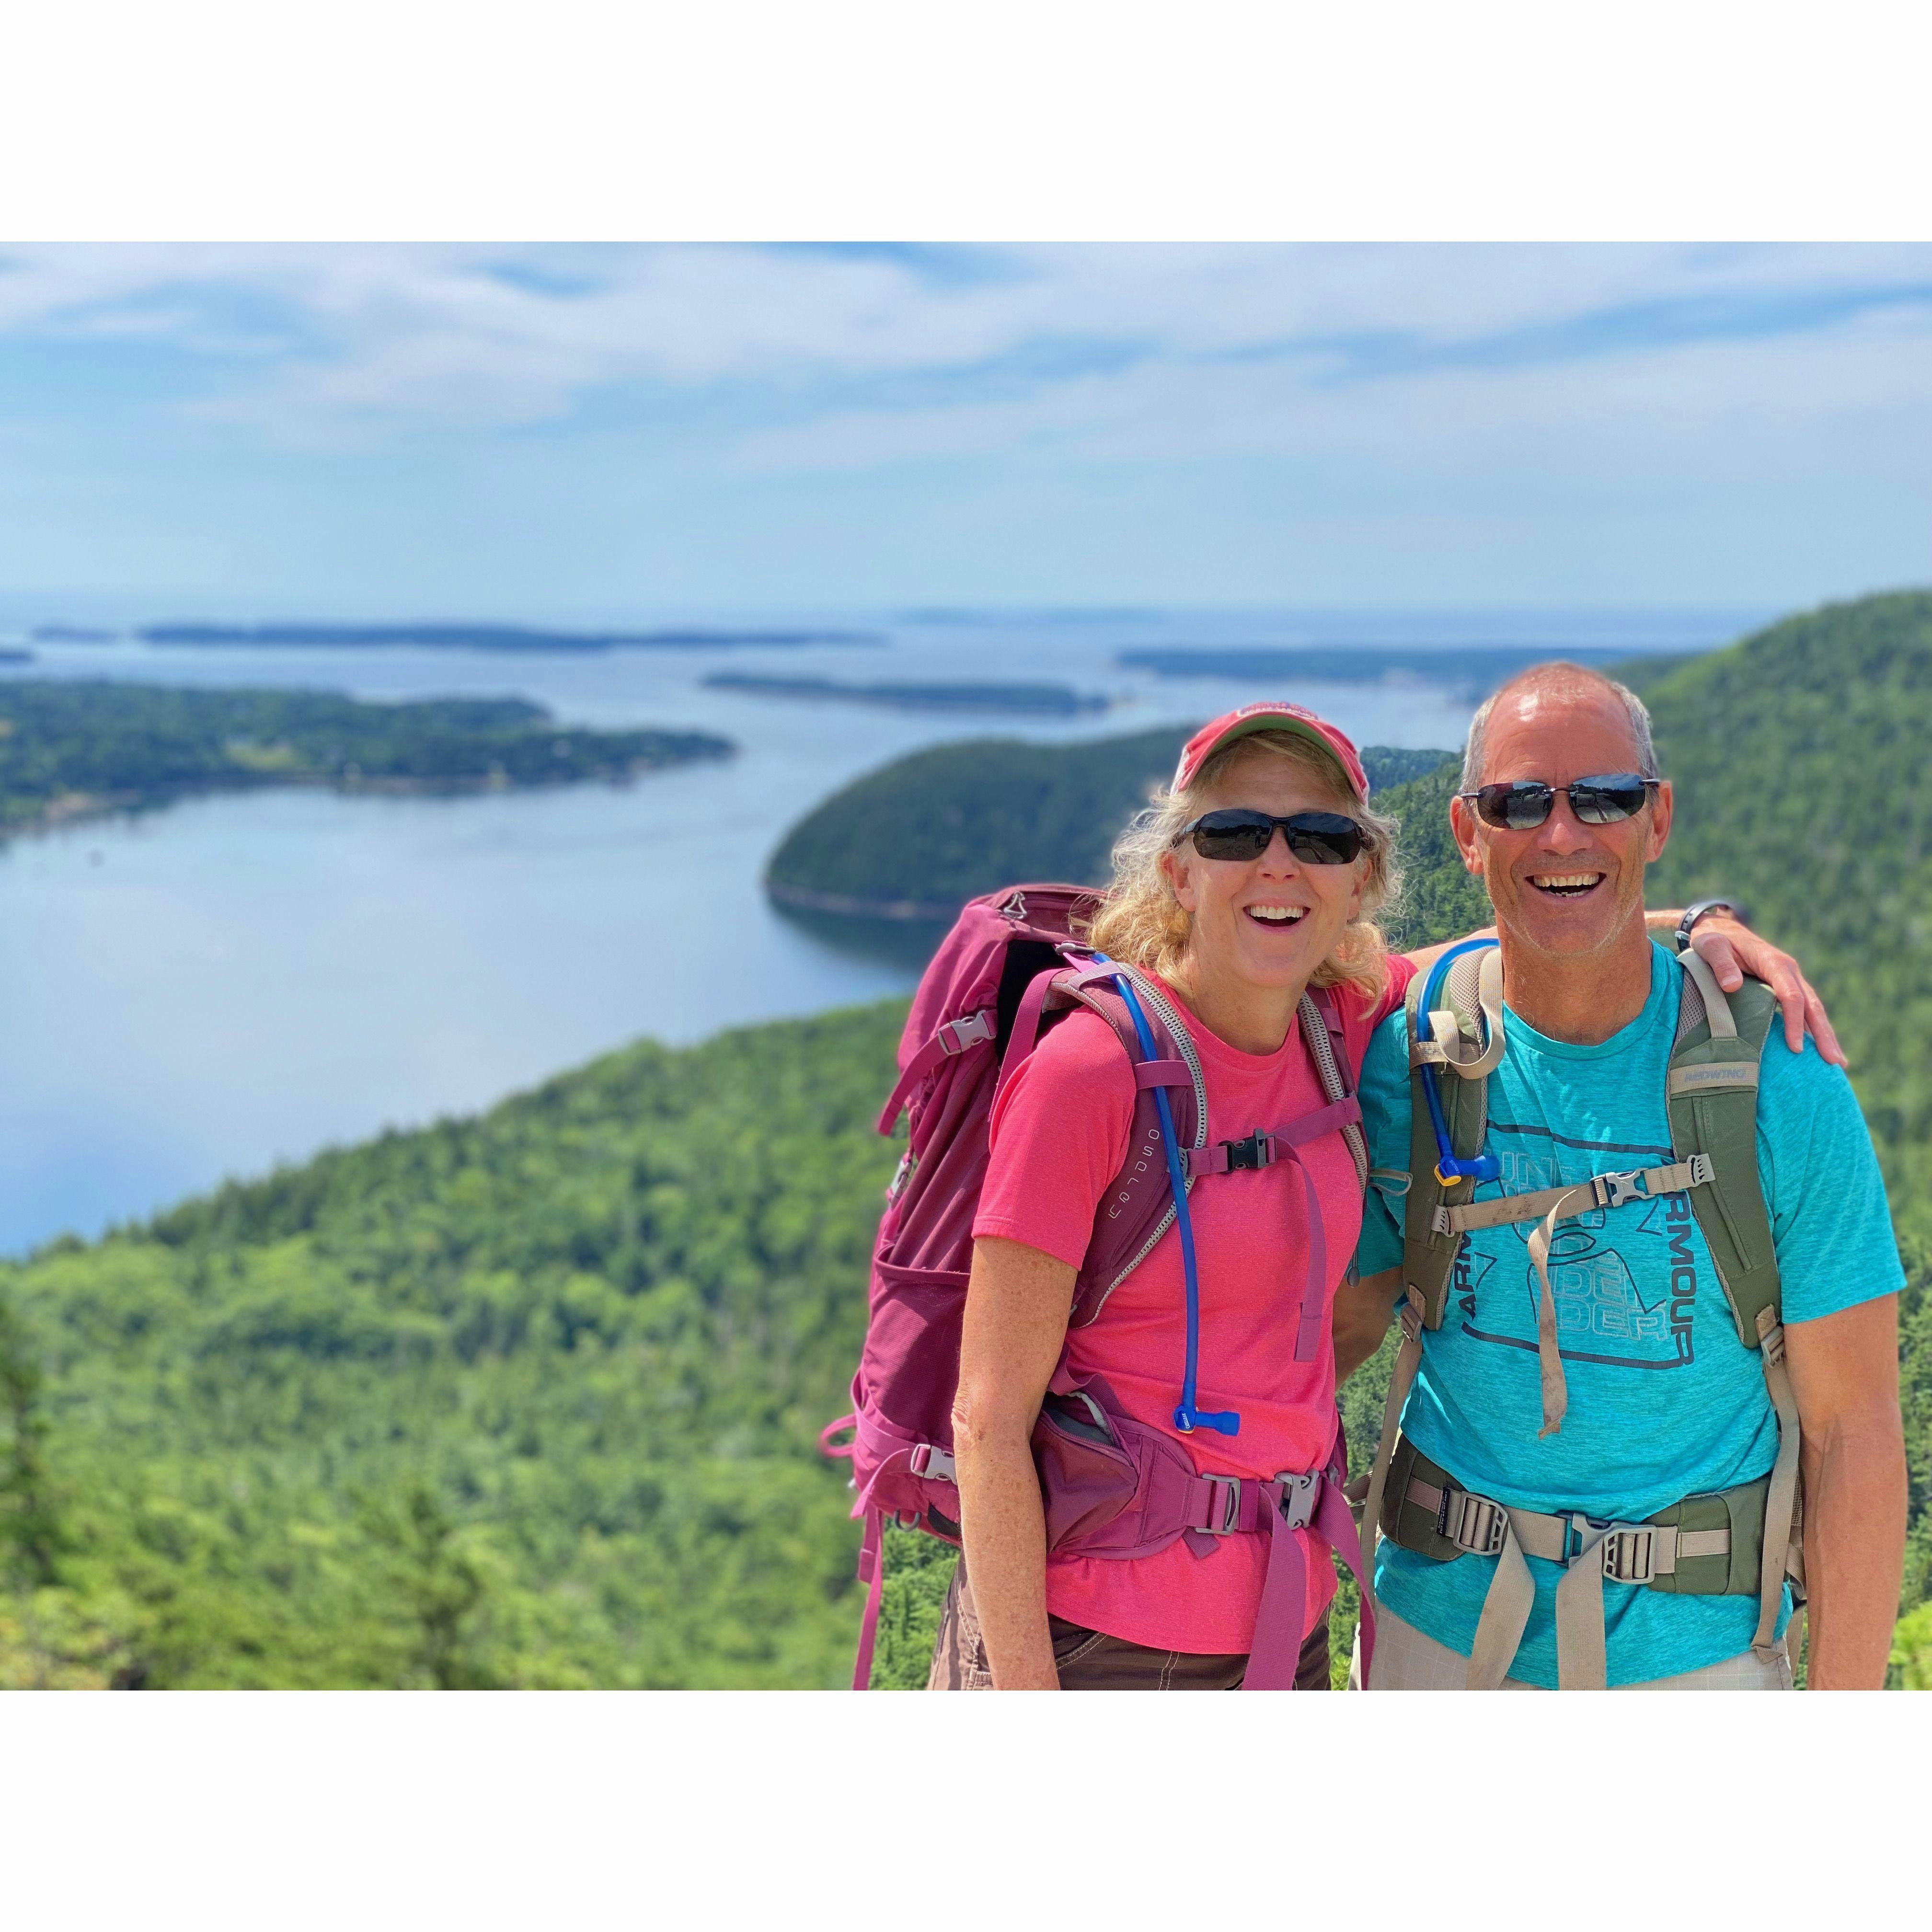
point(1090, 1661)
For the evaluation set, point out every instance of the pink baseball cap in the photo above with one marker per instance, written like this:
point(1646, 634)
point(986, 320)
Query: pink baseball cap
point(1266, 716)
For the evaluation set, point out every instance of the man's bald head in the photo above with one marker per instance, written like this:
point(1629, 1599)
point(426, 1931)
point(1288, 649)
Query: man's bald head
point(1558, 684)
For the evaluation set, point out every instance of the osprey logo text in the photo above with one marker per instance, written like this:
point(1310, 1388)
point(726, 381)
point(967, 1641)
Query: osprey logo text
point(1150, 1153)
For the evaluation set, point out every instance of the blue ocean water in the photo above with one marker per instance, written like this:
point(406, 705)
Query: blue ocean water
point(204, 991)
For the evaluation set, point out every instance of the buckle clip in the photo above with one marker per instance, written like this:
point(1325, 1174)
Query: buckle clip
point(1256, 1151)
point(1701, 1170)
point(1479, 1524)
point(1629, 1553)
point(1229, 1511)
point(932, 1462)
point(974, 1030)
point(1612, 1190)
point(1298, 1488)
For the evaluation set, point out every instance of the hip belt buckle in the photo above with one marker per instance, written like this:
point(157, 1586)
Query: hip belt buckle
point(1630, 1553)
point(1297, 1496)
point(1225, 1516)
point(1472, 1523)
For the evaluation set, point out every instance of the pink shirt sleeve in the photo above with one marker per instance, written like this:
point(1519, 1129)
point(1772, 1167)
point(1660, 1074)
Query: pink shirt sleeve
point(1057, 1136)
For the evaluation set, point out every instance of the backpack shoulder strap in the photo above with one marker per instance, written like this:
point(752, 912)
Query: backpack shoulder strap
point(1320, 1013)
point(1429, 1247)
point(1712, 1094)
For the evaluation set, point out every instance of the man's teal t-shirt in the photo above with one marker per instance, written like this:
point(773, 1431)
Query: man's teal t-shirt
point(1664, 1401)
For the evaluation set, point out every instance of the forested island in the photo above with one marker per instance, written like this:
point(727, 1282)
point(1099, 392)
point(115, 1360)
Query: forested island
point(485, 637)
point(914, 841)
point(533, 1399)
point(1041, 700)
point(1463, 668)
point(71, 748)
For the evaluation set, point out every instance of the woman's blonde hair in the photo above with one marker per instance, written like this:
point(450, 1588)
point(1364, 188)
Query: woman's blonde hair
point(1140, 920)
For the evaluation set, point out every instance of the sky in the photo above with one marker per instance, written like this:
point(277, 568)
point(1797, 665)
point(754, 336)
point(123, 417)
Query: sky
point(569, 432)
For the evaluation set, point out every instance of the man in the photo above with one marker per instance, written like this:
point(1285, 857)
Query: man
point(1603, 1378)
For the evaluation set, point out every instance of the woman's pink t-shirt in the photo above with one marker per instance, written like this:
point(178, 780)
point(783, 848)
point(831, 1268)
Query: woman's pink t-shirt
point(1059, 1135)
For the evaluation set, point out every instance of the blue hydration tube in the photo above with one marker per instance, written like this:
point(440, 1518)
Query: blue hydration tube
point(1186, 1418)
point(1449, 1166)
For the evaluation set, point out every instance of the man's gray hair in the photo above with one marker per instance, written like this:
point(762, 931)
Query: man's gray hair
point(1634, 709)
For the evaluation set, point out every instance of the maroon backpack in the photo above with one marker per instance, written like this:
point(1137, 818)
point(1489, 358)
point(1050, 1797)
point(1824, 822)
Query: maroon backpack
point(1112, 1486)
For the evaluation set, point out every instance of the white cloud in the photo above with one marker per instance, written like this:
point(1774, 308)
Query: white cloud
point(798, 360)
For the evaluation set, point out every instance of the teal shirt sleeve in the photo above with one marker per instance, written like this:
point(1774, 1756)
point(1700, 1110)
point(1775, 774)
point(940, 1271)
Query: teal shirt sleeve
point(1385, 1095)
point(1829, 1222)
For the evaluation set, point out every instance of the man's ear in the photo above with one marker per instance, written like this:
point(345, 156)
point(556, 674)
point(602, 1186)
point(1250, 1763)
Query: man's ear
point(1660, 823)
point(1462, 827)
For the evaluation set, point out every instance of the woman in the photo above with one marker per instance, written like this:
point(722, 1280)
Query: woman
point(1233, 932)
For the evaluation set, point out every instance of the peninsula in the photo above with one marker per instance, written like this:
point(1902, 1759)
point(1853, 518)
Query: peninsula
point(70, 749)
point(911, 843)
point(482, 637)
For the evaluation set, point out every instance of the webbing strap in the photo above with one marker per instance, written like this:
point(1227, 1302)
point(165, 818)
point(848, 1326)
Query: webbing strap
point(1629, 1552)
point(1601, 1190)
point(1282, 1143)
point(1643, 1549)
point(1549, 1356)
point(1506, 1608)
point(871, 1570)
point(1163, 1073)
point(1780, 1500)
point(1582, 1661)
point(950, 1040)
point(1717, 1015)
point(1607, 1190)
point(1402, 1377)
point(1266, 1146)
point(1281, 1622)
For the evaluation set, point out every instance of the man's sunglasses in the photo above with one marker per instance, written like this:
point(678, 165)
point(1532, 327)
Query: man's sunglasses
point(1314, 838)
point(1522, 806)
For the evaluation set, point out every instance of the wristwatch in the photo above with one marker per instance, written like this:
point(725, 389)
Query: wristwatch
point(1695, 911)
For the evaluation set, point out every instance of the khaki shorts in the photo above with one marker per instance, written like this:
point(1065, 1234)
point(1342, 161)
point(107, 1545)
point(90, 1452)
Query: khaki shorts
point(1405, 1659)
point(1090, 1661)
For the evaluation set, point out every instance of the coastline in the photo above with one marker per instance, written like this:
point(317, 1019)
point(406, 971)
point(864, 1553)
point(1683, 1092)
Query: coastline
point(841, 905)
point(76, 807)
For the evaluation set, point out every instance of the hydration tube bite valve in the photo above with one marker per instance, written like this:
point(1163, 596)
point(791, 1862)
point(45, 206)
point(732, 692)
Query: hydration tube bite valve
point(1187, 1417)
point(1450, 1166)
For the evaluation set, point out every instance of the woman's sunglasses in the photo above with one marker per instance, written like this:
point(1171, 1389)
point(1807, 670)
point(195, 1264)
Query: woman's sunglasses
point(1522, 806)
point(1314, 838)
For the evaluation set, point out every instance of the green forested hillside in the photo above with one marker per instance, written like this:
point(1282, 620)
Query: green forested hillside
point(918, 838)
point(530, 1399)
point(533, 1399)
point(1799, 759)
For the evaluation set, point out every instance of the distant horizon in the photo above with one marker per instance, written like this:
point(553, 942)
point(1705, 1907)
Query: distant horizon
point(25, 608)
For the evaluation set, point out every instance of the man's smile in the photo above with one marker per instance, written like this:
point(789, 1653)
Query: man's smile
point(1567, 885)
